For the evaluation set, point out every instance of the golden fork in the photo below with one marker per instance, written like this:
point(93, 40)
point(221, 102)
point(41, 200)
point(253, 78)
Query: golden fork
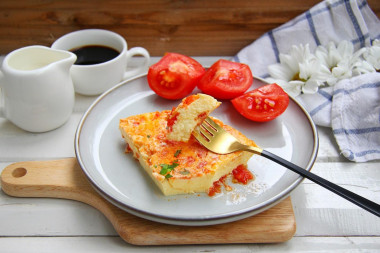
point(216, 139)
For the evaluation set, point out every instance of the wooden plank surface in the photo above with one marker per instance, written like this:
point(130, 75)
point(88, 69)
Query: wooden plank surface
point(191, 27)
point(116, 245)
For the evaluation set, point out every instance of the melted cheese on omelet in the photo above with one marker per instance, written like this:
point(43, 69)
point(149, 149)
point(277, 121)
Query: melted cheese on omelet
point(177, 167)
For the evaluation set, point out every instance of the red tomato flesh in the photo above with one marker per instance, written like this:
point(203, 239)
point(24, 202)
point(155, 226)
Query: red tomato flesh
point(226, 79)
point(242, 175)
point(175, 76)
point(262, 104)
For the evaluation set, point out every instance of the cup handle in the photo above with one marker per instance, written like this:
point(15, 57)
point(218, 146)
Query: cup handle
point(2, 114)
point(140, 69)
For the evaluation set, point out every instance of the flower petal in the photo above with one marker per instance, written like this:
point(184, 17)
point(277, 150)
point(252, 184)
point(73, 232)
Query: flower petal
point(279, 71)
point(311, 86)
point(290, 63)
point(345, 48)
point(293, 88)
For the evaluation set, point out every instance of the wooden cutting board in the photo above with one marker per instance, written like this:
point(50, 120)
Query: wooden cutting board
point(65, 179)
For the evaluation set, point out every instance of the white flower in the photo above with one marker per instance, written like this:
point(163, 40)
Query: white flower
point(299, 71)
point(372, 55)
point(331, 55)
point(362, 67)
point(352, 66)
point(289, 63)
point(342, 61)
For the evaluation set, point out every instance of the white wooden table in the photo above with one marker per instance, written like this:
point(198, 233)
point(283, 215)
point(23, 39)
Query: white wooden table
point(325, 222)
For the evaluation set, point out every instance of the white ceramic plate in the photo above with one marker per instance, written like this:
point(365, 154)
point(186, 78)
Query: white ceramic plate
point(120, 179)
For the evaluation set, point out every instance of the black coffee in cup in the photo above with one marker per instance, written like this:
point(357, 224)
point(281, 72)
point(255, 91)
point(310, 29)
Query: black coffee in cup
point(94, 54)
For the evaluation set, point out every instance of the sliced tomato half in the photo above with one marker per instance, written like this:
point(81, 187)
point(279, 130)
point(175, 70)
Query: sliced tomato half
point(262, 104)
point(226, 79)
point(175, 76)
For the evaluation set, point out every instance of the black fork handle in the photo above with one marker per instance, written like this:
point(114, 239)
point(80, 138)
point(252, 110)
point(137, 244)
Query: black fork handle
point(364, 203)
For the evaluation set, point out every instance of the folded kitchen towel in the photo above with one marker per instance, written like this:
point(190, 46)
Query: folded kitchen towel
point(330, 21)
point(355, 117)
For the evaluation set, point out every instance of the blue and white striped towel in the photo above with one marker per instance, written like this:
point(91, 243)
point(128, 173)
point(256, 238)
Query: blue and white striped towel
point(355, 117)
point(352, 106)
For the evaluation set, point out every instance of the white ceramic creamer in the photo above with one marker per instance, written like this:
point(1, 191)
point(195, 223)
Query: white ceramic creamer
point(37, 93)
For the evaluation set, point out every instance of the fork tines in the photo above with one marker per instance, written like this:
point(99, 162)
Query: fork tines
point(208, 129)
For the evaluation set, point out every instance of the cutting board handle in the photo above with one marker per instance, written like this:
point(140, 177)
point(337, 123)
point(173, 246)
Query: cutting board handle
point(65, 179)
point(53, 179)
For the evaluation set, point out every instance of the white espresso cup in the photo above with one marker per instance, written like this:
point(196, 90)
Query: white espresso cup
point(36, 91)
point(96, 77)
